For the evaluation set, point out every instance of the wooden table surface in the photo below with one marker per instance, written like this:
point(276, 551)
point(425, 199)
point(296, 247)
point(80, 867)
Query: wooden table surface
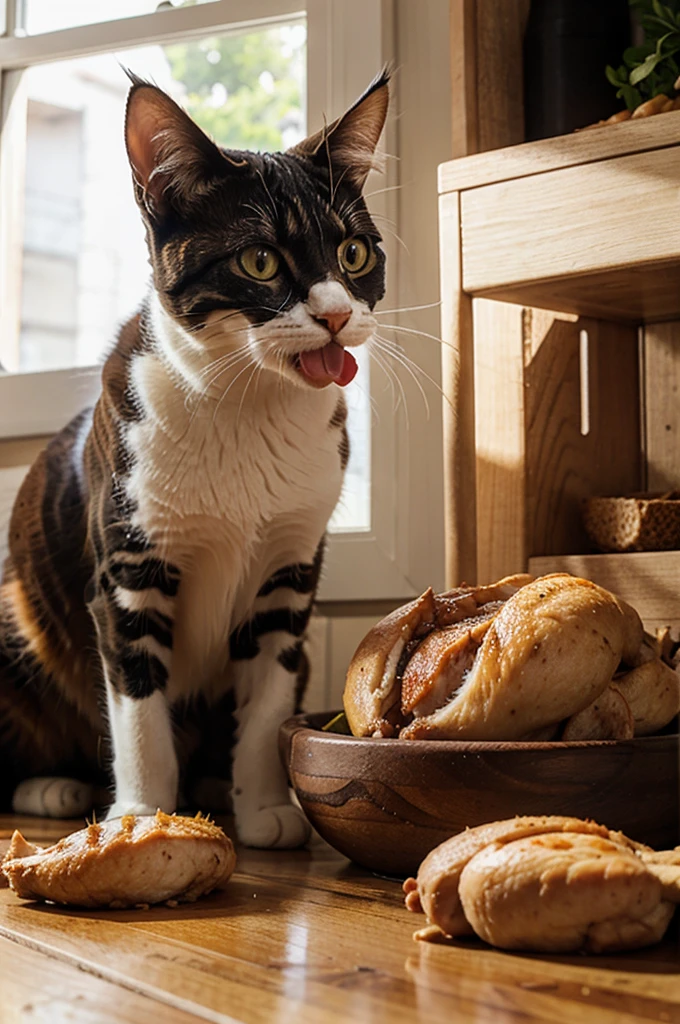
point(298, 937)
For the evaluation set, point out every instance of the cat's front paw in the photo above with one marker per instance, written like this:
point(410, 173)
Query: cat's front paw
point(122, 807)
point(283, 827)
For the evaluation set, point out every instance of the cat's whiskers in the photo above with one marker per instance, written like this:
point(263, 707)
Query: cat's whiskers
point(259, 212)
point(337, 185)
point(273, 213)
point(377, 358)
point(347, 208)
point(230, 386)
point(421, 334)
point(406, 309)
point(396, 352)
point(233, 359)
point(233, 362)
point(243, 353)
point(392, 377)
point(257, 373)
point(367, 391)
point(386, 229)
point(222, 361)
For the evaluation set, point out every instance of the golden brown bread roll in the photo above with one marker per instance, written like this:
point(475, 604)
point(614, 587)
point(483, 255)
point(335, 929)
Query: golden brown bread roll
point(549, 884)
point(124, 862)
point(435, 890)
point(558, 893)
point(499, 662)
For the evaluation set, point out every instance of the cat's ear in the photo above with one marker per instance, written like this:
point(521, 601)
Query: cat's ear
point(172, 160)
point(350, 142)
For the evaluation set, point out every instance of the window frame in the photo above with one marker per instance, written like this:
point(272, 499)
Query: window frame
point(402, 552)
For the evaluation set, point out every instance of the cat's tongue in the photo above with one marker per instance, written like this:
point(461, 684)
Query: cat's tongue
point(327, 365)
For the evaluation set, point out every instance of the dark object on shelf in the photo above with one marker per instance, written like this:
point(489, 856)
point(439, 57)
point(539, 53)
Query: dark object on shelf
point(641, 522)
point(387, 803)
point(567, 46)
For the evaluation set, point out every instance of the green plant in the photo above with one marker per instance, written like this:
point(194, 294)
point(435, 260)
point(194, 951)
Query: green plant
point(650, 69)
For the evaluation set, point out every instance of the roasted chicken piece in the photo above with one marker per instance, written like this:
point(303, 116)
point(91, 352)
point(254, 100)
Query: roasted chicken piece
point(124, 862)
point(652, 692)
point(490, 663)
point(372, 696)
point(548, 884)
point(609, 717)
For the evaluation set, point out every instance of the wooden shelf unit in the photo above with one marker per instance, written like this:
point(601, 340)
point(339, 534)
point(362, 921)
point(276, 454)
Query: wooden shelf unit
point(560, 268)
point(585, 224)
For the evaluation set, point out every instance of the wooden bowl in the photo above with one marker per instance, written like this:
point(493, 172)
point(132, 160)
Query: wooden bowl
point(386, 803)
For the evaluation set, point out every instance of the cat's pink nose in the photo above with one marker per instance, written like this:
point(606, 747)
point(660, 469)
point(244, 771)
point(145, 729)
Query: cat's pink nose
point(334, 321)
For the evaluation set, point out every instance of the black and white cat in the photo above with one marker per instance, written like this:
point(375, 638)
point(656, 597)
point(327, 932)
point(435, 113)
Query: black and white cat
point(166, 546)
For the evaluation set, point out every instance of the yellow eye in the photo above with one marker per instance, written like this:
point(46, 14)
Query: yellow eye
point(355, 256)
point(259, 262)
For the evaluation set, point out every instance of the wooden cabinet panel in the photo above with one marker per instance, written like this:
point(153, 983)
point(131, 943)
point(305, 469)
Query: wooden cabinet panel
point(661, 355)
point(556, 421)
point(539, 239)
point(500, 439)
point(648, 580)
point(458, 408)
point(582, 424)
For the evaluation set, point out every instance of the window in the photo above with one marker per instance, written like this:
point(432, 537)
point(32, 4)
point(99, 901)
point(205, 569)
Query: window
point(255, 74)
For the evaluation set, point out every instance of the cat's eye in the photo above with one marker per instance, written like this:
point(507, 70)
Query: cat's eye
point(356, 257)
point(259, 262)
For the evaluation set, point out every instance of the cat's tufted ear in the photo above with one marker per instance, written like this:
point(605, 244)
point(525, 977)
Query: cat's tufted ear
point(172, 160)
point(349, 143)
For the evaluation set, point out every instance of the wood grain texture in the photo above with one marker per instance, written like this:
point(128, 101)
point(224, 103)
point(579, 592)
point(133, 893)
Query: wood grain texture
point(500, 439)
point(487, 101)
point(641, 293)
point(500, 85)
point(532, 158)
point(464, 112)
point(648, 580)
point(572, 221)
point(39, 988)
point(563, 465)
point(661, 368)
point(459, 400)
point(387, 803)
point(306, 937)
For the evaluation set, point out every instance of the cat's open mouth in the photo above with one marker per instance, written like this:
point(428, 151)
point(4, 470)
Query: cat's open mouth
point(331, 364)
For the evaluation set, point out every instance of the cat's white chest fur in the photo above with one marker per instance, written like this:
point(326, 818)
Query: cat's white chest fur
point(228, 493)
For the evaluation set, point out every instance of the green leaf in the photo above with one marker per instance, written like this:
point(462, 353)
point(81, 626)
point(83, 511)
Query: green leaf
point(631, 96)
point(618, 77)
point(664, 14)
point(640, 72)
point(635, 54)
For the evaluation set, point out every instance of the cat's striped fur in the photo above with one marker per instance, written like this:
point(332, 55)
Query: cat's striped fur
point(166, 546)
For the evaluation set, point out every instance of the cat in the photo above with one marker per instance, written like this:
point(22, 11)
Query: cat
point(165, 548)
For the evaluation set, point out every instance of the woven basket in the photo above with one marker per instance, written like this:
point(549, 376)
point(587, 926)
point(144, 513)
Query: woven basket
point(642, 522)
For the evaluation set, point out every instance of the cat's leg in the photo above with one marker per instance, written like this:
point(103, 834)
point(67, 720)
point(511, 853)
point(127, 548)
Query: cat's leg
point(144, 760)
point(133, 613)
point(265, 697)
point(267, 657)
